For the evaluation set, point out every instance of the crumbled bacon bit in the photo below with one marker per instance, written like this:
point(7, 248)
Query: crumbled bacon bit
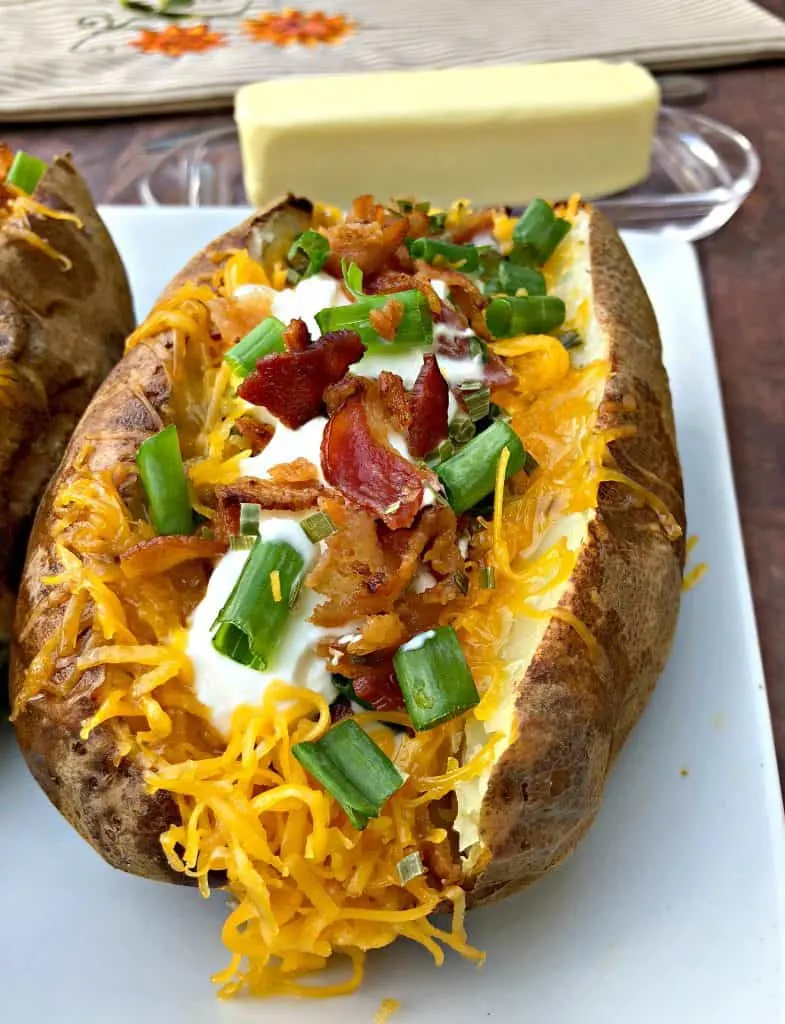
point(387, 320)
point(395, 400)
point(297, 337)
point(428, 405)
point(291, 385)
point(370, 246)
point(159, 554)
point(235, 316)
point(255, 434)
point(379, 687)
point(337, 394)
point(291, 496)
point(464, 293)
point(358, 461)
point(380, 632)
point(389, 281)
point(472, 224)
point(6, 160)
point(300, 471)
point(340, 708)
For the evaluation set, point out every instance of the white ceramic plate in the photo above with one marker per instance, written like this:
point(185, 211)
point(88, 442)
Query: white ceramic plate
point(672, 910)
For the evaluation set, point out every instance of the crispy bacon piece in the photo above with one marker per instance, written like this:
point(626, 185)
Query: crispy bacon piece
point(370, 245)
point(387, 320)
point(455, 343)
point(428, 403)
point(364, 468)
point(274, 495)
point(291, 385)
point(464, 294)
point(255, 434)
point(366, 569)
point(395, 400)
point(160, 554)
point(297, 337)
point(6, 160)
point(472, 224)
point(300, 471)
point(389, 281)
point(337, 394)
point(379, 687)
point(340, 708)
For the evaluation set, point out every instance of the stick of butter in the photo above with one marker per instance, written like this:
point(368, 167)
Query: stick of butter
point(498, 135)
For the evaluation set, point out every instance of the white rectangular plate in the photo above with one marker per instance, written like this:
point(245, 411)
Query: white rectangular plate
point(672, 910)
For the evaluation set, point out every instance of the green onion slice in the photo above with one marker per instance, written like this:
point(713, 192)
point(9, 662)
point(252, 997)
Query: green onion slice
point(414, 331)
point(249, 626)
point(465, 258)
point(353, 279)
point(461, 581)
point(470, 475)
point(476, 397)
point(539, 231)
point(532, 314)
point(308, 254)
point(26, 171)
point(437, 222)
point(353, 769)
point(487, 577)
point(165, 484)
point(461, 428)
point(250, 514)
point(317, 526)
point(241, 542)
point(435, 679)
point(406, 204)
point(264, 339)
point(345, 687)
point(409, 867)
point(514, 279)
point(443, 451)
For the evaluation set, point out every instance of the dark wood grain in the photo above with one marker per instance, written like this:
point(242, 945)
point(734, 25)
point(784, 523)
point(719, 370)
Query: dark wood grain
point(744, 268)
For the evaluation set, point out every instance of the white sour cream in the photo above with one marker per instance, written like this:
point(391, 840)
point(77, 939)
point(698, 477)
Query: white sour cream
point(222, 684)
point(419, 641)
point(307, 298)
point(286, 446)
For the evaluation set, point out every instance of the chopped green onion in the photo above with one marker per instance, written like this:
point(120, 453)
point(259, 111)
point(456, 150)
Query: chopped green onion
point(539, 231)
point(514, 279)
point(241, 542)
point(570, 339)
point(533, 314)
point(251, 623)
point(476, 397)
point(353, 279)
point(165, 484)
point(406, 204)
point(435, 679)
point(465, 258)
point(308, 254)
point(353, 769)
point(443, 451)
point(26, 171)
point(477, 347)
point(265, 338)
point(490, 258)
point(461, 581)
point(437, 222)
point(317, 526)
point(487, 577)
point(249, 519)
point(409, 867)
point(415, 329)
point(470, 475)
point(461, 428)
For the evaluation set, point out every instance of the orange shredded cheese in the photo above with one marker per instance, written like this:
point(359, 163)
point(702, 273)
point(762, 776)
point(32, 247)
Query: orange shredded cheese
point(306, 887)
point(386, 1009)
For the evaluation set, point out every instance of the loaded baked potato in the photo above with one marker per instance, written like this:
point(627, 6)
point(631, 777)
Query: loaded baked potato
point(65, 310)
point(357, 573)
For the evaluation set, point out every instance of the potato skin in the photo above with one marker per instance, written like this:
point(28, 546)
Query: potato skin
point(61, 331)
point(573, 716)
point(109, 805)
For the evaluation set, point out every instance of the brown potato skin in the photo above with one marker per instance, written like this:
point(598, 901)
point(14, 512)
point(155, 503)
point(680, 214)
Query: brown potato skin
point(573, 716)
point(109, 805)
point(64, 330)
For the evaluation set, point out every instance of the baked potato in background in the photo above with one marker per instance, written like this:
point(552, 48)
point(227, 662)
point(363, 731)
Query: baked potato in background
point(578, 673)
point(65, 310)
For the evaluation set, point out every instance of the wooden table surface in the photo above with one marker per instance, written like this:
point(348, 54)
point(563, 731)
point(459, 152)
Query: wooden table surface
point(743, 268)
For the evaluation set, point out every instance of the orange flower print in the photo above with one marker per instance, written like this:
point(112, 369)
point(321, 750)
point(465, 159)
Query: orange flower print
point(176, 40)
point(307, 28)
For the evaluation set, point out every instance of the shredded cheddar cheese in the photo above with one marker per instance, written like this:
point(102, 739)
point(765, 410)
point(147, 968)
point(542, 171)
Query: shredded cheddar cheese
point(305, 886)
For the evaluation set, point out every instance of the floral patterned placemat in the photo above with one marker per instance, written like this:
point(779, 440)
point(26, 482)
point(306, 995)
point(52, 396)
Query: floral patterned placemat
point(63, 59)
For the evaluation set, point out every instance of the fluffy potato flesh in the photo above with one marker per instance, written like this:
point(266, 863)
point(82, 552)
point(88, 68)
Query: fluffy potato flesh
point(565, 649)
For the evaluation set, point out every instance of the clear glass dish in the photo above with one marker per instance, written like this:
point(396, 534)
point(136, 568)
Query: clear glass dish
point(701, 172)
